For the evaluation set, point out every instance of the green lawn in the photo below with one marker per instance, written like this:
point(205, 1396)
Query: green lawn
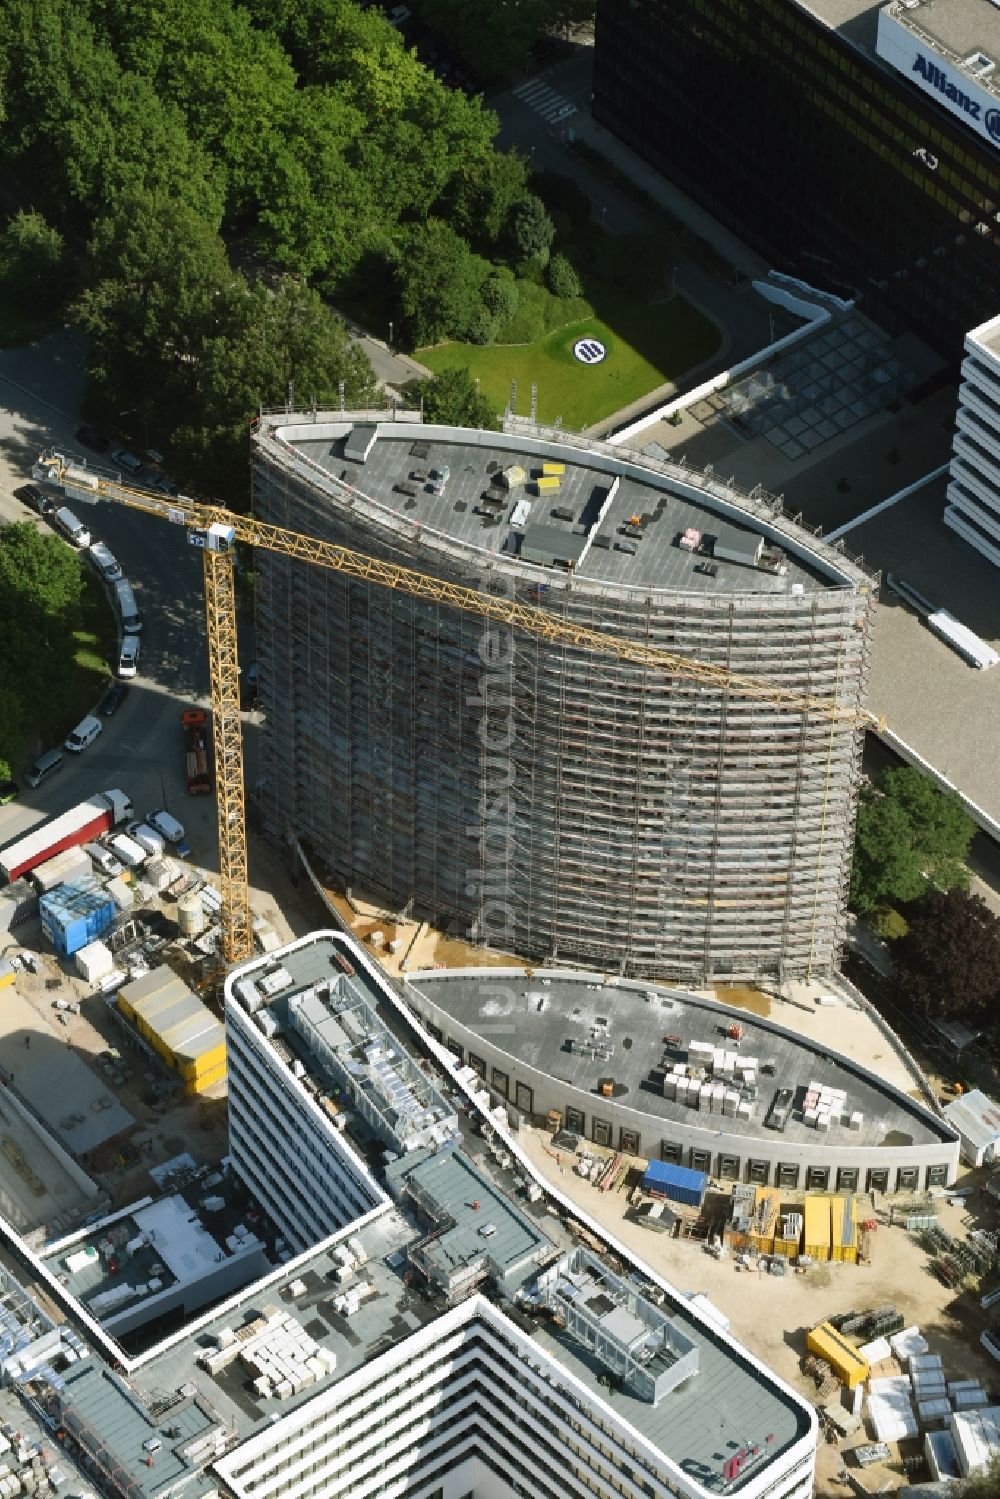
point(646, 345)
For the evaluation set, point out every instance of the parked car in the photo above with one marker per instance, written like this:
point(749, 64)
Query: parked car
point(399, 15)
point(35, 498)
point(165, 484)
point(167, 826)
point(8, 792)
point(85, 733)
point(148, 839)
point(103, 859)
point(112, 700)
point(105, 561)
point(126, 459)
point(91, 438)
point(128, 658)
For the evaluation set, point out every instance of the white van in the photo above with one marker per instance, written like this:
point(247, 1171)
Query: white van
point(85, 733)
point(105, 561)
point(74, 530)
point(129, 656)
point(128, 609)
point(131, 854)
point(147, 838)
point(103, 859)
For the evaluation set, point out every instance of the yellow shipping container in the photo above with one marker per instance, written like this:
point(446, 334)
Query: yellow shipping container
point(178, 1026)
point(816, 1236)
point(546, 486)
point(843, 1229)
point(843, 1358)
point(553, 470)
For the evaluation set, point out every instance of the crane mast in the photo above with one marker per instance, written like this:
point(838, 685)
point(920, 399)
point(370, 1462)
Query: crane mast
point(216, 530)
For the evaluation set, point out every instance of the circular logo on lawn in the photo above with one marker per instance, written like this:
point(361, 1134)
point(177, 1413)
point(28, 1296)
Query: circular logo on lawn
point(589, 350)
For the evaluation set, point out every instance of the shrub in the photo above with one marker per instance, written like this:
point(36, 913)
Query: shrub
point(562, 277)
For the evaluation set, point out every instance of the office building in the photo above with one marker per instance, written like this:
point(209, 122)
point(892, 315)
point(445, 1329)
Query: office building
point(973, 508)
point(852, 146)
point(549, 799)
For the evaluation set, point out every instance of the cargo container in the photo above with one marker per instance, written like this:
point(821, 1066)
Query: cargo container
point(844, 1359)
point(547, 485)
point(844, 1229)
point(816, 1231)
point(179, 1027)
point(65, 869)
point(73, 916)
point(675, 1183)
point(553, 470)
point(82, 823)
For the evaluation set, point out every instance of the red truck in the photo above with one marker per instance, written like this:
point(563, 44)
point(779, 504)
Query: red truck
point(197, 752)
point(81, 824)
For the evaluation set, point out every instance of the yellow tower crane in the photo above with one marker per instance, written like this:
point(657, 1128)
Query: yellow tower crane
point(215, 530)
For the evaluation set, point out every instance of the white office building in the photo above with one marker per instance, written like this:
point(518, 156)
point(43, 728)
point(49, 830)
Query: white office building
point(473, 1405)
point(283, 1139)
point(973, 508)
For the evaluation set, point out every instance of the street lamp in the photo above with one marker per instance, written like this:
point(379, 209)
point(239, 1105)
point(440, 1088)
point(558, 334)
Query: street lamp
point(604, 212)
point(390, 337)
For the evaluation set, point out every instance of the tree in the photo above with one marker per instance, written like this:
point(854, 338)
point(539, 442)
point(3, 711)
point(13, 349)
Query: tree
point(910, 838)
point(948, 963)
point(438, 284)
point(32, 261)
point(454, 399)
point(984, 1485)
point(563, 280)
point(500, 295)
point(531, 229)
point(265, 344)
point(484, 193)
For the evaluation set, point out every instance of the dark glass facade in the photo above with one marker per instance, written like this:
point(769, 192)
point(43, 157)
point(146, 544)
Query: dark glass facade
point(805, 147)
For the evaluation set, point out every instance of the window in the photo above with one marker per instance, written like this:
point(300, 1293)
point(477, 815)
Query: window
point(788, 1175)
point(524, 1097)
point(477, 1064)
point(878, 1179)
point(937, 1176)
point(576, 1121)
point(817, 1178)
point(729, 1168)
point(671, 1151)
point(501, 1082)
point(759, 1172)
point(847, 1179)
point(906, 1179)
point(454, 1046)
point(701, 1160)
point(601, 1132)
point(629, 1142)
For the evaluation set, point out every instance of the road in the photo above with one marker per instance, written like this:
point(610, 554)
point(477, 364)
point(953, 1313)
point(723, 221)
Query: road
point(140, 748)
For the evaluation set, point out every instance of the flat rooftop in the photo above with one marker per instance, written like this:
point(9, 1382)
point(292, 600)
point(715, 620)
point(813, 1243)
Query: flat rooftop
point(959, 27)
point(624, 534)
point(546, 1015)
point(988, 334)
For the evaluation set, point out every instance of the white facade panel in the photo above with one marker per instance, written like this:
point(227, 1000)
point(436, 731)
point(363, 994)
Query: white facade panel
point(973, 510)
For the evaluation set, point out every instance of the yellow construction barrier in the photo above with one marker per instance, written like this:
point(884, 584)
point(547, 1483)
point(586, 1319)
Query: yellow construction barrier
point(843, 1358)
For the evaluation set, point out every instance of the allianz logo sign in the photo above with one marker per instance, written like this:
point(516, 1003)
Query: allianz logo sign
point(937, 78)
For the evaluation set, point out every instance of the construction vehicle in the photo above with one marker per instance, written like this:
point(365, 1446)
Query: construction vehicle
point(215, 531)
point(197, 771)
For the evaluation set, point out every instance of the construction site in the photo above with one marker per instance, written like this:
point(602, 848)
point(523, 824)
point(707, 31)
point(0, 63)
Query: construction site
point(641, 811)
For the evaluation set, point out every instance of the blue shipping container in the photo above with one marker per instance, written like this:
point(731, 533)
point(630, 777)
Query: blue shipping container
point(676, 1183)
point(74, 915)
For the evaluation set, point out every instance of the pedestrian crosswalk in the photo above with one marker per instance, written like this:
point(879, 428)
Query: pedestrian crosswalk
point(545, 101)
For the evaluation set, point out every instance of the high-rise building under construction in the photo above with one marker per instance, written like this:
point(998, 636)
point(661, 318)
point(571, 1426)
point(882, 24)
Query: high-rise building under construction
point(544, 796)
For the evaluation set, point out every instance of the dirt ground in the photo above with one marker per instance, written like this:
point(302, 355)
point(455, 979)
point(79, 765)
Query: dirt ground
point(771, 1316)
point(408, 946)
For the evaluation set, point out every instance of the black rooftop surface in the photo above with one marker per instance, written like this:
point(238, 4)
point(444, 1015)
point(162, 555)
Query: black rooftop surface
point(493, 1003)
point(665, 509)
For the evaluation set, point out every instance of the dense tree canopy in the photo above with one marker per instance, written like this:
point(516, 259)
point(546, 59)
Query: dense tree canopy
point(453, 398)
point(948, 963)
point(41, 584)
point(910, 838)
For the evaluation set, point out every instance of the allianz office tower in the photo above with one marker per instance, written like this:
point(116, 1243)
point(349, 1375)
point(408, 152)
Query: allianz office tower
point(856, 148)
